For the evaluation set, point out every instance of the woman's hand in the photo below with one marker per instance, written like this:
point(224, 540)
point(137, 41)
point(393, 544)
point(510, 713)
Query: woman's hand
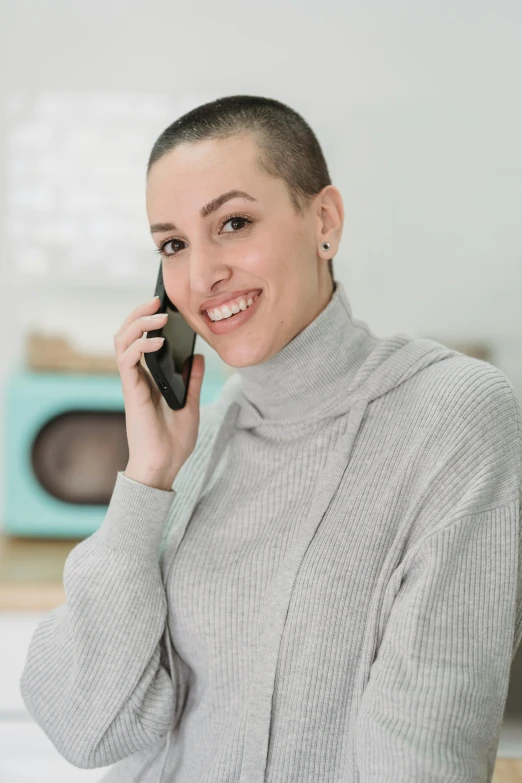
point(160, 439)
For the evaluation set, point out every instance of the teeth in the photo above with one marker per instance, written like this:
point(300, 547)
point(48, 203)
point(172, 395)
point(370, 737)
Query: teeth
point(226, 312)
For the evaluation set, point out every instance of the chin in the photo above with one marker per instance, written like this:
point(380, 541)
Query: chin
point(242, 356)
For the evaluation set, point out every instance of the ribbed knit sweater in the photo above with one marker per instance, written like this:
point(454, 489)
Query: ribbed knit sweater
point(331, 593)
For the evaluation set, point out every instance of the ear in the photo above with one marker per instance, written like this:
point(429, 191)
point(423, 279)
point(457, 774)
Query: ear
point(330, 219)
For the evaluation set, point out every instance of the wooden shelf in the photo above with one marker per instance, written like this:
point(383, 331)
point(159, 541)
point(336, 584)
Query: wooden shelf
point(507, 771)
point(31, 572)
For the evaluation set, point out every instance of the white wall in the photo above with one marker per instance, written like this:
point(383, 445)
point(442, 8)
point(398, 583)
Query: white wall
point(417, 106)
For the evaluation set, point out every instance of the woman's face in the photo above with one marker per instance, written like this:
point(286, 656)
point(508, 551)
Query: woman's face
point(256, 243)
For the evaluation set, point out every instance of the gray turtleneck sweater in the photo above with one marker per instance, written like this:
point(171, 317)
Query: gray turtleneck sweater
point(332, 591)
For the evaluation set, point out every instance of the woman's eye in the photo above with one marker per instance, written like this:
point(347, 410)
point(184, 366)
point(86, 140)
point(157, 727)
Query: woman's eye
point(235, 219)
point(170, 242)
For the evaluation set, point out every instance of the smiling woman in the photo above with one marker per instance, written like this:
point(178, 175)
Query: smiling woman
point(329, 589)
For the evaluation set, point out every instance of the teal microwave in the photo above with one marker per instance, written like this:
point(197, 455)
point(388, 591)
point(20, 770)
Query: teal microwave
point(64, 442)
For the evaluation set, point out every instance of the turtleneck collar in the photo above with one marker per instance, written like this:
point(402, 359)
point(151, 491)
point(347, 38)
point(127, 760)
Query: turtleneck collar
point(316, 365)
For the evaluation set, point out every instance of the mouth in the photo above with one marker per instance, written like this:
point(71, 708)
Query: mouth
point(251, 292)
point(235, 321)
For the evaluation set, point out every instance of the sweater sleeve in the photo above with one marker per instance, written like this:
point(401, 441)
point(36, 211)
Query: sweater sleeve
point(433, 706)
point(96, 677)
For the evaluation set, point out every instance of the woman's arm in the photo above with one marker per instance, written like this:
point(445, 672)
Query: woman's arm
point(433, 706)
point(96, 678)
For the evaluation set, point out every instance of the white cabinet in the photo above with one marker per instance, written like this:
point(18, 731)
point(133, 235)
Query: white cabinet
point(16, 629)
point(26, 753)
point(28, 756)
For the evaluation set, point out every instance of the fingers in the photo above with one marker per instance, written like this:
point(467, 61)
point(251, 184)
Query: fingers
point(146, 308)
point(136, 330)
point(132, 354)
point(130, 343)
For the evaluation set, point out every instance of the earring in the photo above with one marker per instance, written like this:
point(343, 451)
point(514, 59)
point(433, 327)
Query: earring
point(325, 245)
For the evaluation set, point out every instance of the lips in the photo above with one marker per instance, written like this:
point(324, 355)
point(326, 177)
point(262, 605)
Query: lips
point(224, 326)
point(208, 319)
point(210, 304)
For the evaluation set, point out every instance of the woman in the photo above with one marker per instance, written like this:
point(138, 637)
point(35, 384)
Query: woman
point(317, 580)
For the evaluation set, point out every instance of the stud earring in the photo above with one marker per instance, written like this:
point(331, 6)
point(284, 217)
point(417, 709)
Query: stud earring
point(325, 245)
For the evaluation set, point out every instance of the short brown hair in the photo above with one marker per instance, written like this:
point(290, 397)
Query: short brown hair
point(288, 147)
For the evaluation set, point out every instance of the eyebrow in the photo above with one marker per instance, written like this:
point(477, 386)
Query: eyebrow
point(212, 206)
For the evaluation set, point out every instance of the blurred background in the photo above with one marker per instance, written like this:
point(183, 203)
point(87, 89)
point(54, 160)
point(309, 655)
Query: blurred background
point(417, 108)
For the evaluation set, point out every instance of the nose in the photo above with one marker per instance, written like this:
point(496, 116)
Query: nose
point(207, 266)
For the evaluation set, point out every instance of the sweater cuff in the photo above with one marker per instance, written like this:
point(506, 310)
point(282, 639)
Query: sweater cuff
point(135, 518)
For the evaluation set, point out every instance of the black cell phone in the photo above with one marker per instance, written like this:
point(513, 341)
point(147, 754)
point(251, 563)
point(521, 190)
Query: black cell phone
point(171, 365)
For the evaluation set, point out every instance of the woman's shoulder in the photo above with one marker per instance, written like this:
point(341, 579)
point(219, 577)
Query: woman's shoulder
point(469, 395)
point(468, 427)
